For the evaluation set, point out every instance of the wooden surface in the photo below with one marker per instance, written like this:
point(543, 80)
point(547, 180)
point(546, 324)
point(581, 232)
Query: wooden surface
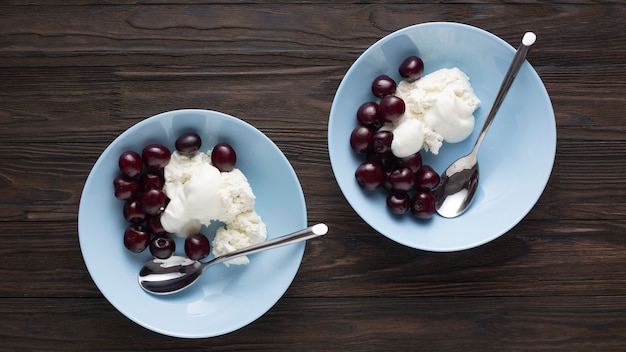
point(74, 76)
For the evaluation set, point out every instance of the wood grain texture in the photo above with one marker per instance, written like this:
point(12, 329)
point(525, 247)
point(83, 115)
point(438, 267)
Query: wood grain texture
point(370, 324)
point(73, 76)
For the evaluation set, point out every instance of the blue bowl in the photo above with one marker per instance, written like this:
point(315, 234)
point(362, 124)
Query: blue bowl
point(225, 298)
point(516, 157)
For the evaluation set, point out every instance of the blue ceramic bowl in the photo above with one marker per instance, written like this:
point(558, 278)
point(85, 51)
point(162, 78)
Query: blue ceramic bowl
point(225, 298)
point(515, 158)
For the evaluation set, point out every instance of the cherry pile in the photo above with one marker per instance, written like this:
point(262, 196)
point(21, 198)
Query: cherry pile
point(408, 183)
point(140, 186)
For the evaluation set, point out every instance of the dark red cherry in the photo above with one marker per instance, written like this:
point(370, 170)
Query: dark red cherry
point(391, 108)
point(426, 178)
point(381, 141)
point(423, 205)
point(361, 139)
point(367, 113)
point(411, 68)
point(130, 163)
point(188, 143)
point(151, 179)
point(370, 175)
point(197, 246)
point(153, 201)
point(125, 187)
point(398, 202)
point(402, 179)
point(136, 238)
point(133, 212)
point(223, 157)
point(155, 156)
point(154, 225)
point(162, 247)
point(383, 85)
point(414, 162)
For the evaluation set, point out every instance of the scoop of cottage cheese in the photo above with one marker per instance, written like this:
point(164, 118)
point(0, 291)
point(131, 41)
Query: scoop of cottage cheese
point(245, 229)
point(200, 194)
point(439, 107)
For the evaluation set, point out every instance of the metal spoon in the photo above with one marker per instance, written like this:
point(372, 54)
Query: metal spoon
point(458, 184)
point(167, 276)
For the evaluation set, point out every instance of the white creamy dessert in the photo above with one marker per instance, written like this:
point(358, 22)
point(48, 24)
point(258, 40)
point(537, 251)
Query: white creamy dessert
point(439, 107)
point(246, 229)
point(200, 194)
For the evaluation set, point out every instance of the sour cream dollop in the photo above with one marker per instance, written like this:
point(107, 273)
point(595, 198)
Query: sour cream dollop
point(439, 107)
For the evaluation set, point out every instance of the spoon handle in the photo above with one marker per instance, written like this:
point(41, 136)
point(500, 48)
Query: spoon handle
point(527, 41)
point(298, 236)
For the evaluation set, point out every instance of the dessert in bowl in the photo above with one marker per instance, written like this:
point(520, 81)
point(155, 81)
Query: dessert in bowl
point(227, 297)
point(516, 156)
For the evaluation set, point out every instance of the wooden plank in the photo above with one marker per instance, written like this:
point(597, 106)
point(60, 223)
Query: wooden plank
point(346, 324)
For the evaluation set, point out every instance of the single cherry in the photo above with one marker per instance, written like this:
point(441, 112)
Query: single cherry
point(398, 202)
point(411, 68)
point(426, 178)
point(155, 156)
point(367, 113)
point(414, 162)
point(402, 179)
point(125, 187)
point(136, 238)
point(369, 175)
point(223, 157)
point(151, 179)
point(130, 163)
point(153, 201)
point(154, 225)
point(162, 247)
point(383, 85)
point(391, 108)
point(381, 141)
point(361, 139)
point(133, 211)
point(423, 205)
point(188, 143)
point(197, 246)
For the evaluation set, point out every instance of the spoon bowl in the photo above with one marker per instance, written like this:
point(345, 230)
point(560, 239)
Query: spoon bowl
point(459, 181)
point(176, 273)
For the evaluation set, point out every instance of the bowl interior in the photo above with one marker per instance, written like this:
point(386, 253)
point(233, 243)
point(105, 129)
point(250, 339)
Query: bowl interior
point(515, 158)
point(225, 298)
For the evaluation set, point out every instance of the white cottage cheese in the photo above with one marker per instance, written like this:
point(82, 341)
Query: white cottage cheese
point(200, 194)
point(439, 107)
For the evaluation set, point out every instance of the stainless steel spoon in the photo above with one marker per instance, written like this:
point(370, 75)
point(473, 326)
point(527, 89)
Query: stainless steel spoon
point(167, 276)
point(458, 184)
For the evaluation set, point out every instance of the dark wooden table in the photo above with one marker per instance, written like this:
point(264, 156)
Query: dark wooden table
point(74, 76)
